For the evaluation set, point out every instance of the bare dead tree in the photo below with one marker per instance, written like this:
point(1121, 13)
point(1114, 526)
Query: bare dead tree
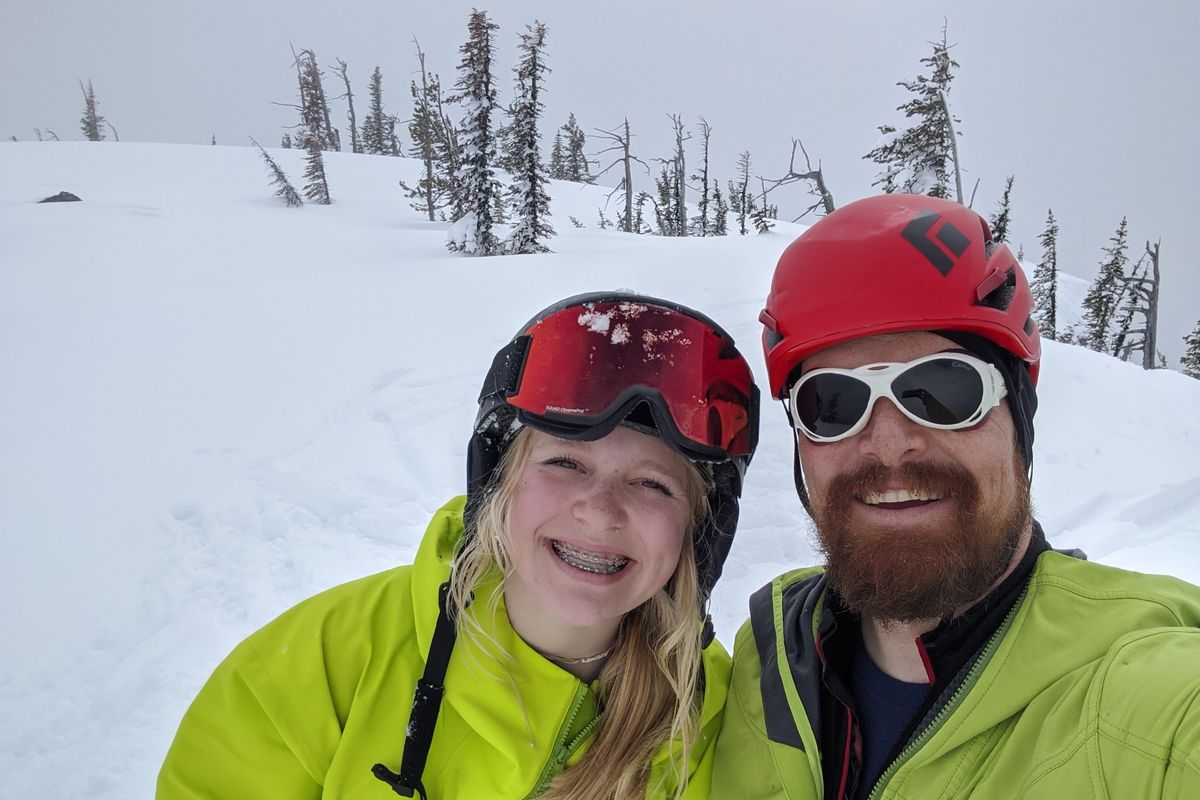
point(51, 133)
point(680, 173)
point(340, 69)
point(116, 136)
point(314, 106)
point(954, 146)
point(701, 219)
point(620, 139)
point(1142, 300)
point(815, 176)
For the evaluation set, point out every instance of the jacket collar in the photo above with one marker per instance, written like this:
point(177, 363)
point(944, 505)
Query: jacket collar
point(487, 678)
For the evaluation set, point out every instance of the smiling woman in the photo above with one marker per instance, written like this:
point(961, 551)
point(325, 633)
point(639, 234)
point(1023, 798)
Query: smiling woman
point(604, 472)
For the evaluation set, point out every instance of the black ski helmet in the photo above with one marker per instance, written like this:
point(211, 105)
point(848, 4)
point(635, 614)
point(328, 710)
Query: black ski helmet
point(635, 400)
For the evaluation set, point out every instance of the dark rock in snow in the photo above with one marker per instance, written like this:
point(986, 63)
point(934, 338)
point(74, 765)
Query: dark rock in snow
point(62, 197)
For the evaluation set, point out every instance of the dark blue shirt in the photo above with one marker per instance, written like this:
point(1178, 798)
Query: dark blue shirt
point(885, 707)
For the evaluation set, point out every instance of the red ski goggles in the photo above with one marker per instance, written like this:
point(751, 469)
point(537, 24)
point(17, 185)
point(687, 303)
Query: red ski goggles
point(581, 367)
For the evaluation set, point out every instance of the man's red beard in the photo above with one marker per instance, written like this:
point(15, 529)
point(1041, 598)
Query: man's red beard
point(925, 574)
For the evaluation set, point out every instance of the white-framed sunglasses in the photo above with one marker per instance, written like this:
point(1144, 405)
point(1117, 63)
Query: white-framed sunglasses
point(945, 391)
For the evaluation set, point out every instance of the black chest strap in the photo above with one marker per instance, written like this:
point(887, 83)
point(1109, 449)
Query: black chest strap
point(427, 701)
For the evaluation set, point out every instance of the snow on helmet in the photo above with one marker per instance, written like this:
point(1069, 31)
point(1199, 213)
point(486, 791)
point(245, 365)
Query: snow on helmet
point(589, 363)
point(894, 263)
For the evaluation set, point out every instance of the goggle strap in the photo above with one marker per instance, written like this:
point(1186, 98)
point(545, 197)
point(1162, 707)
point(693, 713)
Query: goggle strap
point(504, 378)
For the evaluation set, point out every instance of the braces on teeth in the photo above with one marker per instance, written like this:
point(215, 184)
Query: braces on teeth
point(589, 562)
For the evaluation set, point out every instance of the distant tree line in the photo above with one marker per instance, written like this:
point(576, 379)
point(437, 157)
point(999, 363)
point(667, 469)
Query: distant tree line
point(482, 168)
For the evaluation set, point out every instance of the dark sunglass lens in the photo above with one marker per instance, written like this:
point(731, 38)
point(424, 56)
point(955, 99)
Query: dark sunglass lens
point(945, 391)
point(830, 405)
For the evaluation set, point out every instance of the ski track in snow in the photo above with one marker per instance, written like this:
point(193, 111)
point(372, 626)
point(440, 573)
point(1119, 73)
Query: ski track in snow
point(216, 407)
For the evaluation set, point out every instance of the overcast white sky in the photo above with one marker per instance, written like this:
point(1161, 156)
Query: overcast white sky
point(1093, 106)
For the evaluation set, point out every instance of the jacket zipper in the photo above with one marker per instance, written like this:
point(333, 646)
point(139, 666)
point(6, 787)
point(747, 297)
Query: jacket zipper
point(972, 676)
point(564, 747)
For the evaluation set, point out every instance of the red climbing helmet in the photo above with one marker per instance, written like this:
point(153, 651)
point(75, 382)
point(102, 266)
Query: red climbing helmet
point(894, 263)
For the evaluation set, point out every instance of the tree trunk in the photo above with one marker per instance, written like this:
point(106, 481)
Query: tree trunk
point(1151, 337)
point(355, 147)
point(628, 180)
point(953, 147)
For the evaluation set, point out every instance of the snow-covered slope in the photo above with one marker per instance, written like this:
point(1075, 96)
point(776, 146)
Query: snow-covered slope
point(213, 406)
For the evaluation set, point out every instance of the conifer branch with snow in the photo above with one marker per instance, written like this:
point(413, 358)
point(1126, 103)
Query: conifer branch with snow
point(1100, 305)
point(1001, 220)
point(1191, 356)
point(91, 123)
point(917, 159)
point(279, 179)
point(434, 143)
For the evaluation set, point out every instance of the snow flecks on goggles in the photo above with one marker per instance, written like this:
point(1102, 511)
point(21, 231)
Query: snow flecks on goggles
point(945, 391)
point(581, 369)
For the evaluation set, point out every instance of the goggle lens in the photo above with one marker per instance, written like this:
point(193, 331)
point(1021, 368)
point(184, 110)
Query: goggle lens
point(943, 391)
point(831, 404)
point(583, 363)
point(946, 391)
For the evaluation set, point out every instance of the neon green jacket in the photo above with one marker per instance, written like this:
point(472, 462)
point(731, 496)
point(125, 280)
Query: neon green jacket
point(1090, 689)
point(303, 708)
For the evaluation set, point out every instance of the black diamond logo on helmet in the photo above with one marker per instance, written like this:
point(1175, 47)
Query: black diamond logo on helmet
point(954, 241)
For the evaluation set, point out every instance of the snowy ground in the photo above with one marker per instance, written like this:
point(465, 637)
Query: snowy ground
point(213, 406)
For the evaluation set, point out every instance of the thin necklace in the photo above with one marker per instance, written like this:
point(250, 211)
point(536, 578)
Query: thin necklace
point(605, 653)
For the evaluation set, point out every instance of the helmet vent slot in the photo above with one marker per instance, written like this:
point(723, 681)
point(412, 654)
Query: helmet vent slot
point(1001, 297)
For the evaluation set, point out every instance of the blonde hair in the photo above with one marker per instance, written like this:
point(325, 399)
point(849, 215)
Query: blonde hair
point(648, 688)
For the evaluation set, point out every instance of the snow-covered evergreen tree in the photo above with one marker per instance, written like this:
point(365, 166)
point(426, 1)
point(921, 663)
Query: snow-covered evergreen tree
point(1045, 281)
point(721, 211)
point(557, 166)
point(763, 215)
point(283, 187)
point(527, 196)
point(639, 220)
point(575, 164)
point(1096, 327)
point(1002, 218)
point(314, 107)
point(286, 141)
point(317, 188)
point(91, 123)
point(918, 158)
point(476, 190)
point(1191, 356)
point(664, 205)
point(376, 128)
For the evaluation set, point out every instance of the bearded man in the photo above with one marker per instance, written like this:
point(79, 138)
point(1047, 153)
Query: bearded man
point(944, 650)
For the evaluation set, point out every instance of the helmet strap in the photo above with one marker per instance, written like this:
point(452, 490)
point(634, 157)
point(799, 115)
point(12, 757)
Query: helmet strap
point(797, 470)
